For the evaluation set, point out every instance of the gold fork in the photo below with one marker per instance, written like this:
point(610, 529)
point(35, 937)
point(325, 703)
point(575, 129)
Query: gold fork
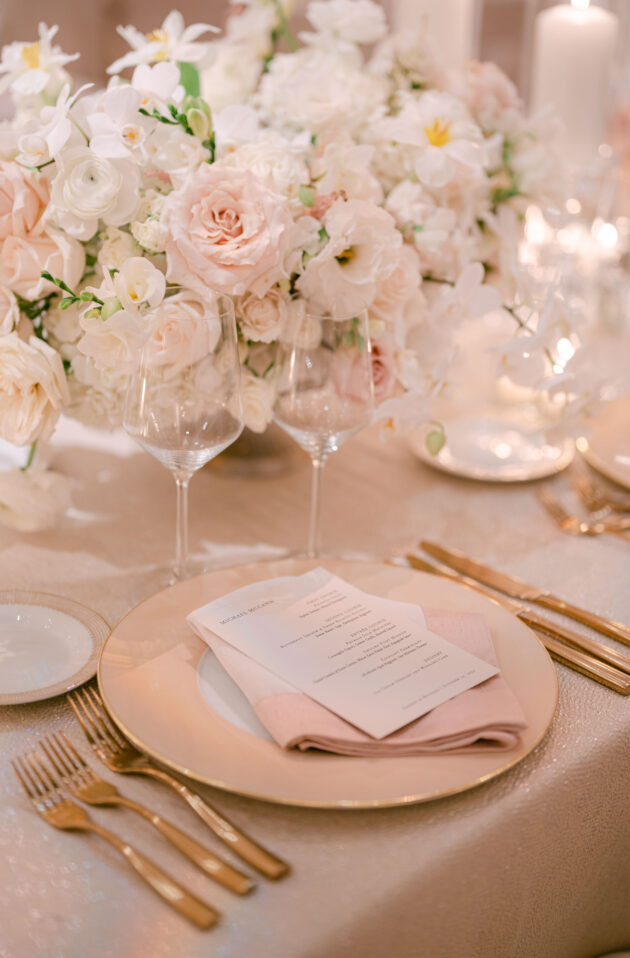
point(576, 526)
point(120, 755)
point(85, 785)
point(61, 812)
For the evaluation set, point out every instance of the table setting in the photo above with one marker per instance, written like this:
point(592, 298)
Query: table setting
point(373, 701)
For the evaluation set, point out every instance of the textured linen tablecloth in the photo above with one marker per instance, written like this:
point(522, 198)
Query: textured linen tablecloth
point(535, 864)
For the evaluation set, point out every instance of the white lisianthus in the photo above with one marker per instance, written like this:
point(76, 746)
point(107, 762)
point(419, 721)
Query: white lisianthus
point(352, 21)
point(361, 252)
point(88, 188)
point(258, 396)
point(139, 282)
point(33, 389)
point(9, 311)
point(33, 499)
point(262, 319)
point(117, 246)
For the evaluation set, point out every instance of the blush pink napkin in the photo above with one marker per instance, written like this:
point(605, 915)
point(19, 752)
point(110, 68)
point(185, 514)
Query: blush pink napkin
point(485, 717)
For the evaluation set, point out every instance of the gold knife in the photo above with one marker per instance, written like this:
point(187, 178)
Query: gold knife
point(575, 658)
point(527, 593)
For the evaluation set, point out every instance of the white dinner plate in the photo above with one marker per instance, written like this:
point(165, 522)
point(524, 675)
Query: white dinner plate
point(163, 689)
point(607, 448)
point(48, 645)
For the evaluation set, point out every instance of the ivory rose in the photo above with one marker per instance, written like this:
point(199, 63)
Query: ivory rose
point(183, 333)
point(23, 199)
point(262, 319)
point(226, 233)
point(112, 343)
point(22, 259)
point(33, 389)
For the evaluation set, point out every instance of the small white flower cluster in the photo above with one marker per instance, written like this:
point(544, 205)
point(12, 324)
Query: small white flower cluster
point(311, 179)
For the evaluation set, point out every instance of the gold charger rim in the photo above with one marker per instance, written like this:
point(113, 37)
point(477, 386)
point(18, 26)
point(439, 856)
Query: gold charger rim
point(340, 804)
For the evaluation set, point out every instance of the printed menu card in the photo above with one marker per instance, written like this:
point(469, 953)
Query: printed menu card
point(372, 661)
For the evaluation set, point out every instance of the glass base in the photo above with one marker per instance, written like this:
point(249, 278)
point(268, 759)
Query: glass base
point(493, 450)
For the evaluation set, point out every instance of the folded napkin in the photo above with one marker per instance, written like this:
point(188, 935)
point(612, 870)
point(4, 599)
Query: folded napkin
point(487, 716)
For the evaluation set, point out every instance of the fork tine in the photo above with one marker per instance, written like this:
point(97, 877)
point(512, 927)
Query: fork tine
point(55, 759)
point(99, 733)
point(41, 773)
point(70, 751)
point(81, 720)
point(30, 789)
point(104, 718)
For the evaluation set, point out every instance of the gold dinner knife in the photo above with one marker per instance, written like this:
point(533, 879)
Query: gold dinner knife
point(518, 589)
point(577, 658)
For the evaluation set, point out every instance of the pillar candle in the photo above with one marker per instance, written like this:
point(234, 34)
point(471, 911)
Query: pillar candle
point(574, 46)
point(451, 23)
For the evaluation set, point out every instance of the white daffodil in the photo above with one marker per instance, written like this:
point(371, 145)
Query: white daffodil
point(171, 41)
point(30, 67)
point(118, 128)
point(52, 132)
point(445, 142)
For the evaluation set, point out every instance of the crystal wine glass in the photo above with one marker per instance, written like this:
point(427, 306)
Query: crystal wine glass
point(184, 403)
point(325, 391)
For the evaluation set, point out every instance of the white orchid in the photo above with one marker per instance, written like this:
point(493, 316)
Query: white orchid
point(30, 68)
point(171, 41)
point(118, 128)
point(159, 84)
point(53, 130)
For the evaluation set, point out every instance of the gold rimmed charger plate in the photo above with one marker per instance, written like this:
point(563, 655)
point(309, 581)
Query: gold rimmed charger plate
point(607, 448)
point(49, 644)
point(149, 678)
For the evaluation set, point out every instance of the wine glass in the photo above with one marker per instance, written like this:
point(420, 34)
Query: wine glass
point(325, 391)
point(184, 403)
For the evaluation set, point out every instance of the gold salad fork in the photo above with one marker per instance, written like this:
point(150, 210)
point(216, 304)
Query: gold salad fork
point(576, 526)
point(85, 785)
point(120, 755)
point(61, 812)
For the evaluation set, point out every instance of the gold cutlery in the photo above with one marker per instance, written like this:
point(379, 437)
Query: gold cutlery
point(119, 755)
point(578, 658)
point(595, 497)
point(575, 525)
point(85, 785)
point(518, 589)
point(61, 812)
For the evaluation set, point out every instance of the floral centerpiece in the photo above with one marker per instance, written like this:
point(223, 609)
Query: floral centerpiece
point(289, 176)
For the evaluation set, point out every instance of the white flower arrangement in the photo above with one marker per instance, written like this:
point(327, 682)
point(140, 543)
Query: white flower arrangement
point(312, 177)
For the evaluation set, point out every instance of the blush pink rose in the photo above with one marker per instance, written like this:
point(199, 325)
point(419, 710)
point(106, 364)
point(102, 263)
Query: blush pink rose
point(22, 259)
point(226, 233)
point(23, 198)
point(351, 372)
point(183, 333)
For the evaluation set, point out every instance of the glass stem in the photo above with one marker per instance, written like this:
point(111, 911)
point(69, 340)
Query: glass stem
point(312, 550)
point(181, 528)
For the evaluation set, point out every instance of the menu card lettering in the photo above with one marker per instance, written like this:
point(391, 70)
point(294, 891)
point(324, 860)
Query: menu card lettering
point(370, 660)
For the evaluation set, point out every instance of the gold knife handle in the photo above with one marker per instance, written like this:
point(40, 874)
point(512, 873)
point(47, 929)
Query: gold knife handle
point(243, 846)
point(615, 630)
point(178, 897)
point(582, 662)
point(579, 641)
point(209, 863)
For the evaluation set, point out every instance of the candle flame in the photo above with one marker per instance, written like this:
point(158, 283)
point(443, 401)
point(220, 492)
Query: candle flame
point(580, 4)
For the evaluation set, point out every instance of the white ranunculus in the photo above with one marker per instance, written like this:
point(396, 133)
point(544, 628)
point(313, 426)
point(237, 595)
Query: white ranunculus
point(361, 252)
point(33, 499)
point(258, 396)
point(138, 281)
point(9, 311)
point(33, 389)
point(354, 21)
point(89, 188)
point(319, 91)
point(275, 163)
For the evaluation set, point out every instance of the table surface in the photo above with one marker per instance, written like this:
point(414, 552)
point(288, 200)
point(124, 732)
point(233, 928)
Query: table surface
point(535, 864)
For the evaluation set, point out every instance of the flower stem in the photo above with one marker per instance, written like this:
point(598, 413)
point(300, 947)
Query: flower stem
point(31, 456)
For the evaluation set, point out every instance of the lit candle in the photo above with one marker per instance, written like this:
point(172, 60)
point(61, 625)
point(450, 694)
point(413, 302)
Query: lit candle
point(574, 46)
point(451, 23)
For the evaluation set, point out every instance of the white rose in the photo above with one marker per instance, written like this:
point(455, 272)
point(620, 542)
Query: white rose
point(89, 188)
point(274, 162)
point(262, 319)
point(33, 389)
point(258, 397)
point(9, 311)
point(33, 499)
point(117, 246)
point(114, 343)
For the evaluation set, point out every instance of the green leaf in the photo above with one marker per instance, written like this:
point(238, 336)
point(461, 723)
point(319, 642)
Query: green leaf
point(189, 75)
point(435, 441)
point(307, 196)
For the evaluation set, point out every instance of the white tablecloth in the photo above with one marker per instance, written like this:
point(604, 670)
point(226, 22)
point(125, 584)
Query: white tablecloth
point(535, 864)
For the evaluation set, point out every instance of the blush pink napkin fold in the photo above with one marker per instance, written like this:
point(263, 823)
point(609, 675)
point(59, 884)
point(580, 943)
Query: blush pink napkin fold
point(485, 717)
